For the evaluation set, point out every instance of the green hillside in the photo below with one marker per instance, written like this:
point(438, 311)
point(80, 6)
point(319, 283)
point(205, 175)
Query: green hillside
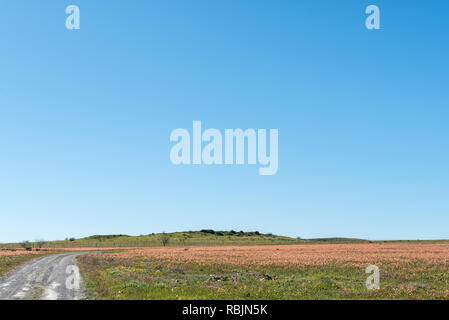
point(188, 238)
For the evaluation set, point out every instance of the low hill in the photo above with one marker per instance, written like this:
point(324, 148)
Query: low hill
point(188, 238)
point(205, 237)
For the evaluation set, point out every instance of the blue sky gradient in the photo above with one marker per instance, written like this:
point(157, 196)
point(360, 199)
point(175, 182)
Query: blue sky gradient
point(86, 116)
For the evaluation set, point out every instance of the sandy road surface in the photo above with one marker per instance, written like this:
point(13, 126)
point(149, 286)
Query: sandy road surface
point(54, 277)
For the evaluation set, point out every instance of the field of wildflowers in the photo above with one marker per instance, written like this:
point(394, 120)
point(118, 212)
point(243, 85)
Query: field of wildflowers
point(316, 271)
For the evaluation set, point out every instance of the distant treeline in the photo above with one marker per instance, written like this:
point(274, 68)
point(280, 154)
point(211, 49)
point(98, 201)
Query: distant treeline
point(233, 233)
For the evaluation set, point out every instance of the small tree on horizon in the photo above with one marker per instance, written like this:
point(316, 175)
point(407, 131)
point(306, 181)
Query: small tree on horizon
point(165, 239)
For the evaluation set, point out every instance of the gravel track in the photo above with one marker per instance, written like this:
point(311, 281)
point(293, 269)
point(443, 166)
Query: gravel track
point(52, 277)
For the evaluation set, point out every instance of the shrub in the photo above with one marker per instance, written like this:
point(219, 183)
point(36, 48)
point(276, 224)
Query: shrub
point(165, 239)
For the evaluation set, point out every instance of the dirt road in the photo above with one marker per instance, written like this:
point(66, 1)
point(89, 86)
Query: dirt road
point(54, 277)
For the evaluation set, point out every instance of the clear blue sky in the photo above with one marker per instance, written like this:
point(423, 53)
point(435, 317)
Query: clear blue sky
point(86, 116)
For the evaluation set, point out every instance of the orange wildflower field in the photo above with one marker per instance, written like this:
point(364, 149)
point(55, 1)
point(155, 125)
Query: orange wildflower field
point(301, 255)
point(309, 271)
point(10, 253)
